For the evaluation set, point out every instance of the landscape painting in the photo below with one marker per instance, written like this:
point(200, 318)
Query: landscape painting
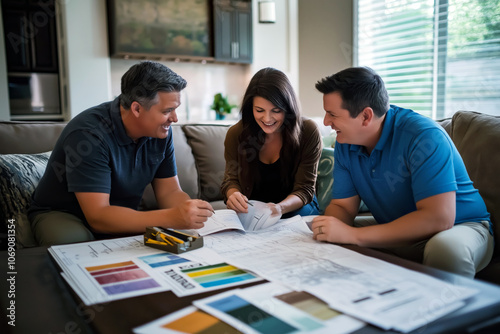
point(159, 27)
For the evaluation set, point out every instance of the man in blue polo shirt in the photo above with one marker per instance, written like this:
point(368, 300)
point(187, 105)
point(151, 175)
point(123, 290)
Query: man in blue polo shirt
point(408, 172)
point(105, 158)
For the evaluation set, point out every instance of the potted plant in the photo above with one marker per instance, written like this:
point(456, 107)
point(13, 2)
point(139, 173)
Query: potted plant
point(221, 106)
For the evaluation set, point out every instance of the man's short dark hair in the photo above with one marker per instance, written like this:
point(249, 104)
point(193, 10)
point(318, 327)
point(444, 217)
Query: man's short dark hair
point(359, 87)
point(144, 80)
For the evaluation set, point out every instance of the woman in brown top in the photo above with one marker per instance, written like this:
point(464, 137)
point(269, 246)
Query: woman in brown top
point(272, 153)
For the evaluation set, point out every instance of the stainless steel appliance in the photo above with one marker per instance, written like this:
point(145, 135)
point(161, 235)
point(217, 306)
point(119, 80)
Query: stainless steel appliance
point(34, 94)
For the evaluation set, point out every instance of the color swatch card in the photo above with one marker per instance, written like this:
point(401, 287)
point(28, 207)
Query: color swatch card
point(118, 277)
point(124, 279)
point(287, 303)
point(110, 280)
point(188, 320)
point(240, 313)
point(189, 281)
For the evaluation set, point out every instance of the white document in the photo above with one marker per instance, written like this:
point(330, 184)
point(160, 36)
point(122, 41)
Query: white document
point(369, 289)
point(259, 217)
point(67, 255)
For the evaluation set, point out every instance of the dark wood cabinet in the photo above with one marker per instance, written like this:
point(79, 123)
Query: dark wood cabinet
point(233, 31)
point(16, 46)
point(30, 36)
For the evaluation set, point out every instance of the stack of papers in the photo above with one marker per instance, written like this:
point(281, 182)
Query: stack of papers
point(102, 271)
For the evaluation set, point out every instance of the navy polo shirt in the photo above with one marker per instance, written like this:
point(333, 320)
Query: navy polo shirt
point(94, 154)
point(413, 159)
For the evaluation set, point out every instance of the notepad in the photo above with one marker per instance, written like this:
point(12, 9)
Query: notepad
point(259, 217)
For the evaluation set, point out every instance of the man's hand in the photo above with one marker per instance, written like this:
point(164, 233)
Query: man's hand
point(331, 229)
point(237, 202)
point(192, 214)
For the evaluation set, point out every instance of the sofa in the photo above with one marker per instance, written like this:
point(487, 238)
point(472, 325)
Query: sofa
point(199, 150)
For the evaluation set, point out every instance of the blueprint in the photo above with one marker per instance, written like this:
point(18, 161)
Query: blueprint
point(386, 295)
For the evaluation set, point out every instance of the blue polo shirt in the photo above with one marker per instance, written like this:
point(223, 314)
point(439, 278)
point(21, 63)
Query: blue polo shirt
point(413, 159)
point(95, 154)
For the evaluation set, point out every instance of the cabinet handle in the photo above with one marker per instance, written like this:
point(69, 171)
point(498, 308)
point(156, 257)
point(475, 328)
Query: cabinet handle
point(235, 50)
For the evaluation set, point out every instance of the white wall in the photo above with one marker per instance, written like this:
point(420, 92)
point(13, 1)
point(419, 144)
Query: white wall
point(276, 44)
point(204, 81)
point(325, 46)
point(4, 89)
point(84, 65)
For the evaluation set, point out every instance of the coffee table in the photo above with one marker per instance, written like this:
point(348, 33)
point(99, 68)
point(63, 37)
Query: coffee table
point(44, 302)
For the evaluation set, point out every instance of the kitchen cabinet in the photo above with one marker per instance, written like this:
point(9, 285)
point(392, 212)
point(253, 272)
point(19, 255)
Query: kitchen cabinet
point(233, 31)
point(30, 36)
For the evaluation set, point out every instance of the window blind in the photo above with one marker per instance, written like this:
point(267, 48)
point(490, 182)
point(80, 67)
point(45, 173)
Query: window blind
point(435, 56)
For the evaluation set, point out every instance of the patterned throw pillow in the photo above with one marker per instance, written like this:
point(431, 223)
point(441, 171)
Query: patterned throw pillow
point(19, 176)
point(324, 181)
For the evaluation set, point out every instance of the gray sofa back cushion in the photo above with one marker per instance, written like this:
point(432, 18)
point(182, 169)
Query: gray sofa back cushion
point(186, 170)
point(207, 143)
point(477, 137)
point(28, 137)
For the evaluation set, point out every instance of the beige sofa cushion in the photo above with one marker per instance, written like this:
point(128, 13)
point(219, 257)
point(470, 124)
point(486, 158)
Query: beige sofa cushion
point(207, 143)
point(477, 138)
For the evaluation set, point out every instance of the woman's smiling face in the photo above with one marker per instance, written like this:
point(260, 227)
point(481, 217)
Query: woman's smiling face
point(269, 117)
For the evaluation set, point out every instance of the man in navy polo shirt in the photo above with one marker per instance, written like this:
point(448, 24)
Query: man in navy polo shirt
point(408, 172)
point(105, 158)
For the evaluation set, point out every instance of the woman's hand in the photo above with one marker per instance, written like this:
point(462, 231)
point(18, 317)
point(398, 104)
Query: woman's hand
point(237, 202)
point(276, 209)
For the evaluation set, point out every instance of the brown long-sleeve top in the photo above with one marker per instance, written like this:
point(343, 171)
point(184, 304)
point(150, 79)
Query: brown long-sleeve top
point(241, 163)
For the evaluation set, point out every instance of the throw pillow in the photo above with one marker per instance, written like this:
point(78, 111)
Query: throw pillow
point(324, 181)
point(19, 176)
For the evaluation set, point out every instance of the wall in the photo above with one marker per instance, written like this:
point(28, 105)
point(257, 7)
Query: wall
point(84, 65)
point(4, 90)
point(325, 45)
point(204, 81)
point(276, 44)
